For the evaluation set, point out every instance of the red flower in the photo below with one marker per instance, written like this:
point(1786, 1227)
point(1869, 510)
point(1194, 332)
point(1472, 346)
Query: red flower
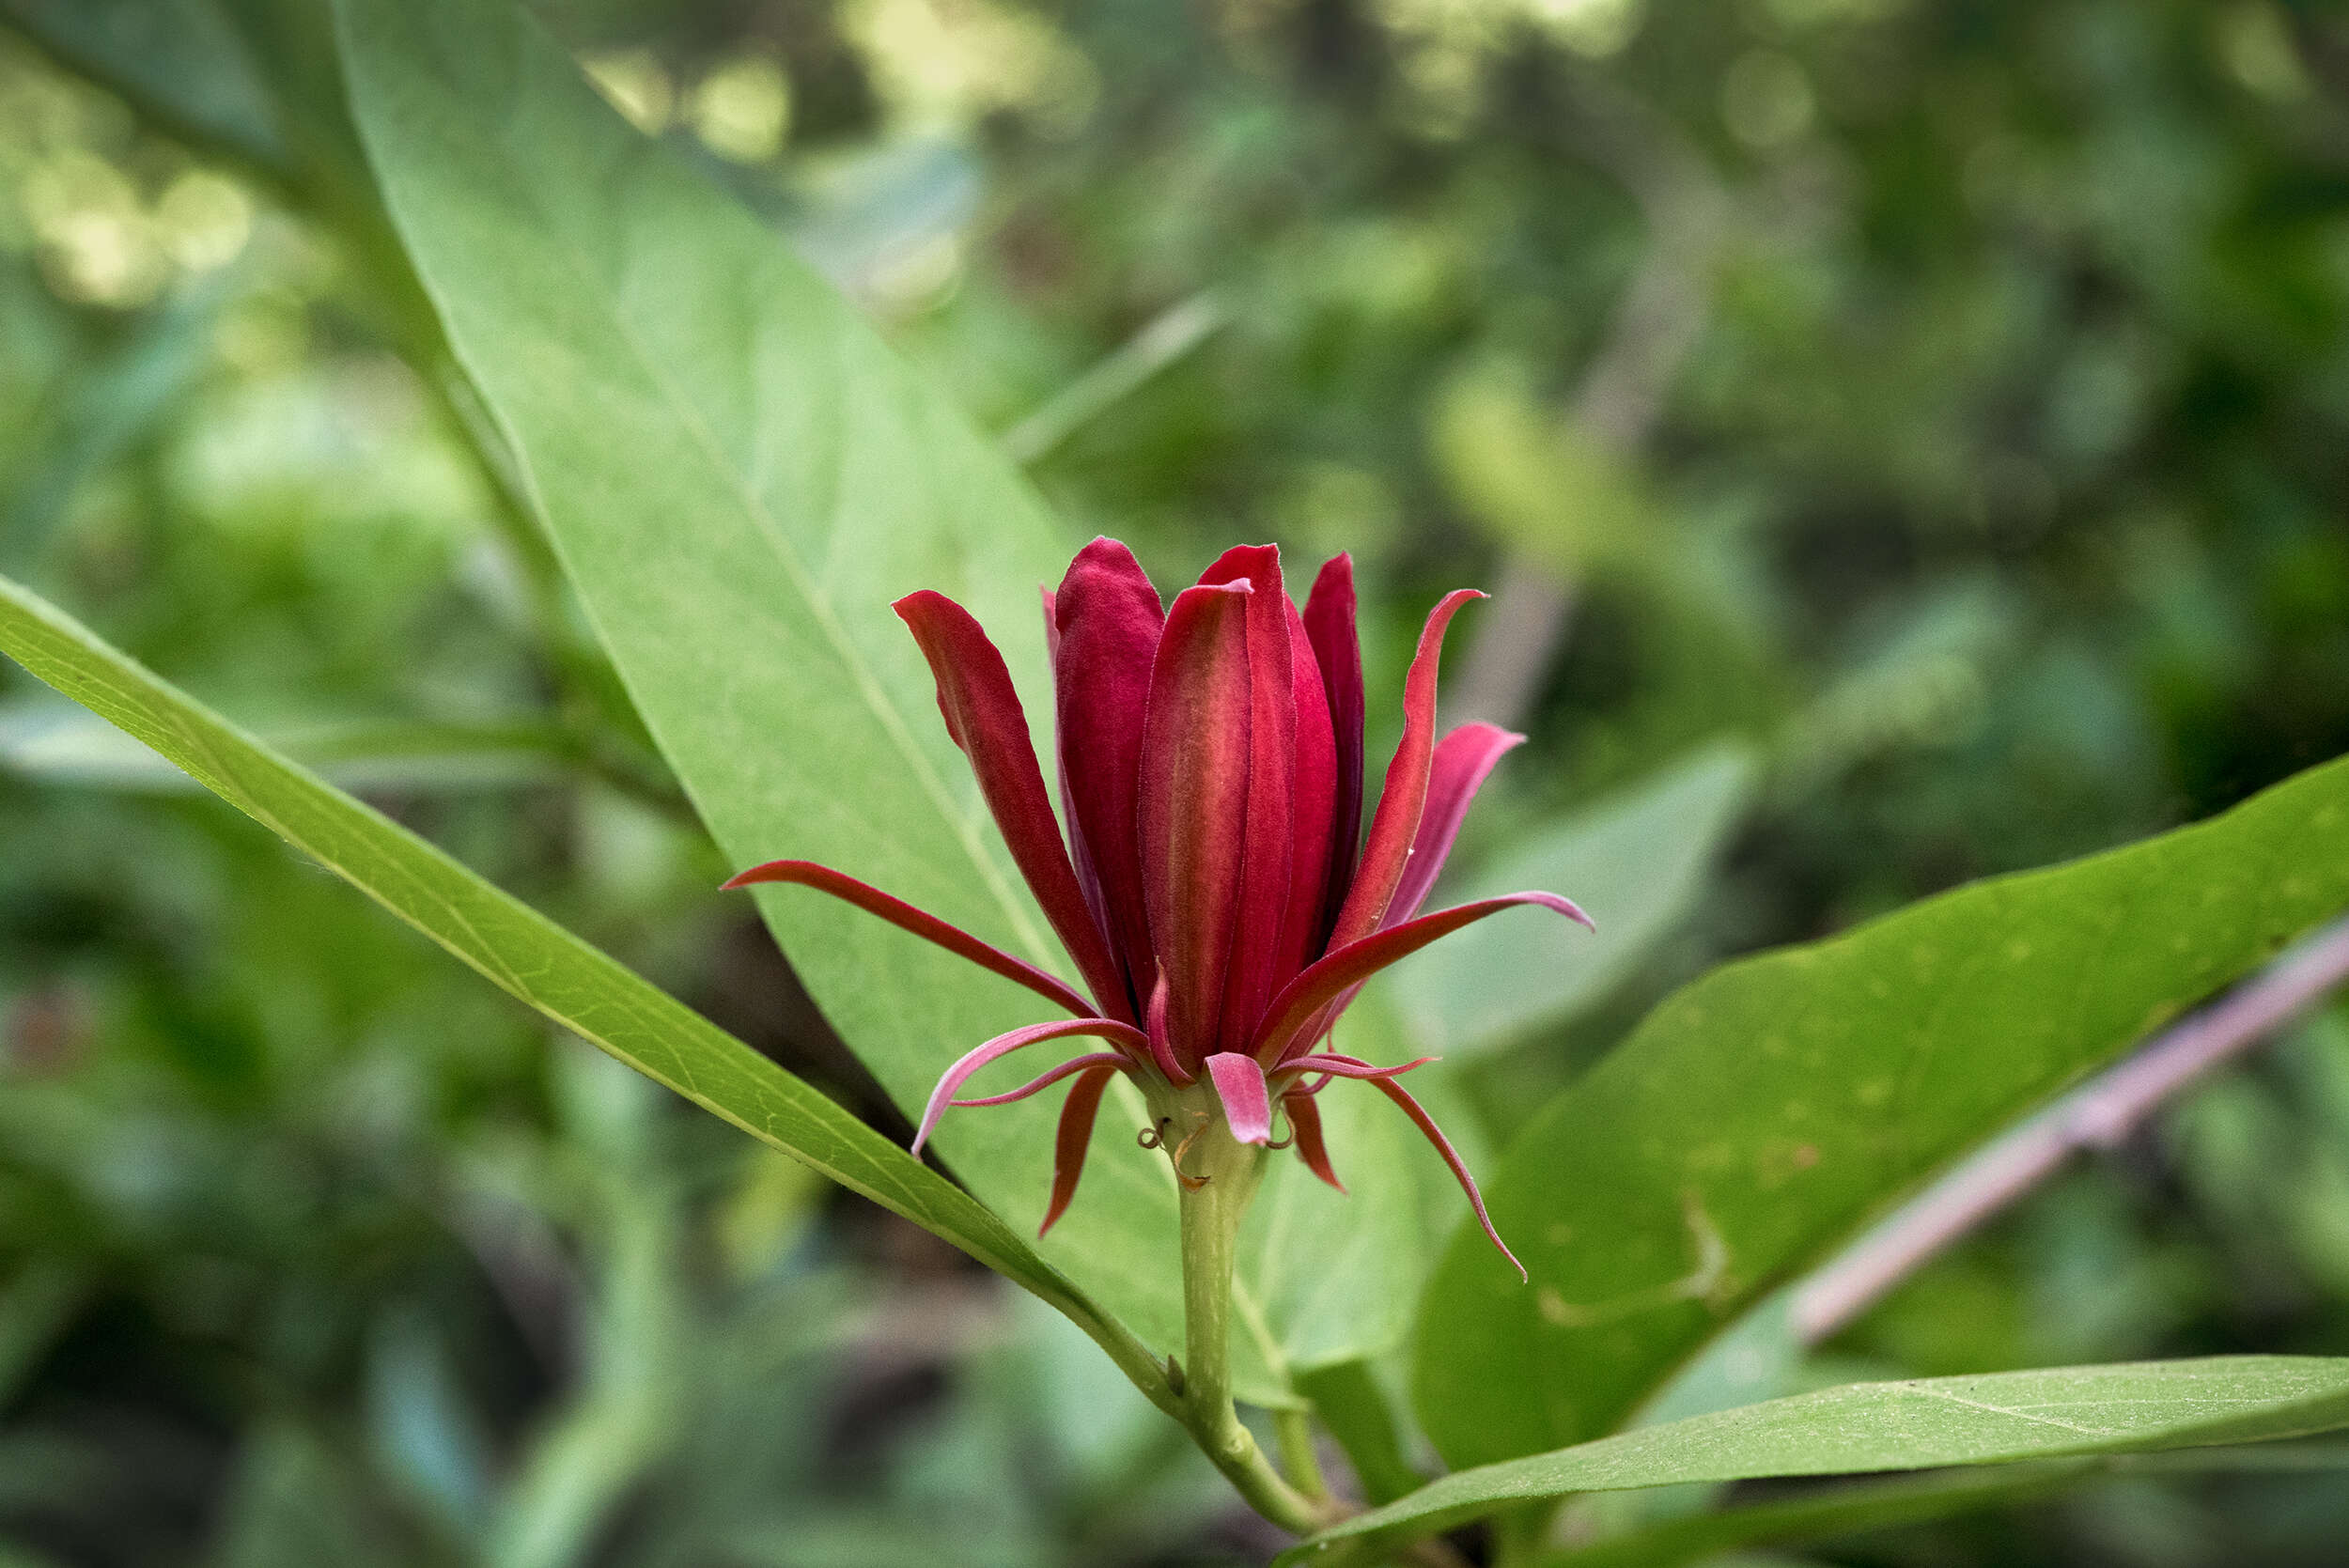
point(1209, 890)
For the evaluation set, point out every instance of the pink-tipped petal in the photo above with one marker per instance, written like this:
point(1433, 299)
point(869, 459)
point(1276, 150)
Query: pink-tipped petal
point(1247, 1106)
point(1305, 1124)
point(1107, 621)
point(1267, 840)
point(1328, 621)
point(1404, 798)
point(807, 874)
point(1427, 1124)
point(1126, 1035)
point(1328, 979)
point(1073, 1139)
point(1046, 1079)
point(1195, 758)
point(983, 714)
point(1462, 760)
point(1334, 1067)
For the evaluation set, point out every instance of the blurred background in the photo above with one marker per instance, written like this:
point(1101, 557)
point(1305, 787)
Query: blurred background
point(1909, 439)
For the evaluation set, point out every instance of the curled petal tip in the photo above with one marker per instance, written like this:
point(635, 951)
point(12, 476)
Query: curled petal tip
point(1240, 1083)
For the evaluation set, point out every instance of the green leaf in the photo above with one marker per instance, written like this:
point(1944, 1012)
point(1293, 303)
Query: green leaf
point(1636, 861)
point(1868, 1427)
point(52, 742)
point(1839, 1510)
point(1763, 1114)
point(529, 957)
point(1324, 1277)
point(1355, 1408)
point(739, 477)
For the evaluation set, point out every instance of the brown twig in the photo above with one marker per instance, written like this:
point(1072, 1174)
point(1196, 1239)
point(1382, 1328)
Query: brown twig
point(2101, 1114)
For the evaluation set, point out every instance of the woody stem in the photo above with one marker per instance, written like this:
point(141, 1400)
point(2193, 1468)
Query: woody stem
point(1211, 1212)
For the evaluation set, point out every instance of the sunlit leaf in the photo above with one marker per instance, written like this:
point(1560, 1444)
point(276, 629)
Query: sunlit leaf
point(1763, 1114)
point(1837, 1511)
point(739, 477)
point(1870, 1427)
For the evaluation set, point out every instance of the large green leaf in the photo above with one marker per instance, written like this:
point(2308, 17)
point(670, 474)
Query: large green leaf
point(1764, 1114)
point(1867, 1427)
point(1635, 861)
point(1831, 1512)
point(739, 477)
point(530, 956)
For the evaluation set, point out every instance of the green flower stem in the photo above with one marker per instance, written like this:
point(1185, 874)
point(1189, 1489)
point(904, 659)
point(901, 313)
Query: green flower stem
point(1220, 1176)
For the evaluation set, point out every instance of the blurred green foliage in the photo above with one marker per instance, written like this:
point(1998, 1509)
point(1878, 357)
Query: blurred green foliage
point(1947, 401)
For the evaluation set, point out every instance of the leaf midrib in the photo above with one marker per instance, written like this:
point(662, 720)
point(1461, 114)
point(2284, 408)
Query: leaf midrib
point(875, 698)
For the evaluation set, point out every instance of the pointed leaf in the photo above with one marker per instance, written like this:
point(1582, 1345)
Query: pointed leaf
point(528, 955)
point(1869, 1427)
point(740, 478)
point(1763, 1115)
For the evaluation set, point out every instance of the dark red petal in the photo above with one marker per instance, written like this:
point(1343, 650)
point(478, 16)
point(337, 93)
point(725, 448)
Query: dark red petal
point(1462, 760)
point(1161, 1047)
point(1080, 856)
point(1267, 839)
point(1107, 621)
point(1426, 1123)
point(1338, 649)
point(1314, 794)
point(1074, 1138)
point(983, 714)
point(1331, 977)
point(1333, 1066)
point(1403, 797)
point(1195, 806)
point(1004, 1044)
point(1239, 1084)
point(807, 874)
point(1305, 1124)
point(1051, 1076)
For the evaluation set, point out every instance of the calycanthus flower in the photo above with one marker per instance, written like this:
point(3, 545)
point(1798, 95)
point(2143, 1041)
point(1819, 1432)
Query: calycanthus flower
point(1209, 890)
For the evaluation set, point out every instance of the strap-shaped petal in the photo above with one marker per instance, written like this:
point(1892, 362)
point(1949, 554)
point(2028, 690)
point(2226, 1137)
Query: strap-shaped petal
point(1427, 1124)
point(1073, 1139)
point(1106, 623)
point(1125, 1035)
point(1312, 1147)
point(983, 714)
point(1463, 759)
point(1247, 1105)
point(1267, 840)
point(1045, 1080)
point(1162, 1046)
point(1195, 806)
point(1403, 797)
point(1303, 998)
point(1329, 622)
point(1312, 811)
point(906, 917)
point(1334, 1066)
